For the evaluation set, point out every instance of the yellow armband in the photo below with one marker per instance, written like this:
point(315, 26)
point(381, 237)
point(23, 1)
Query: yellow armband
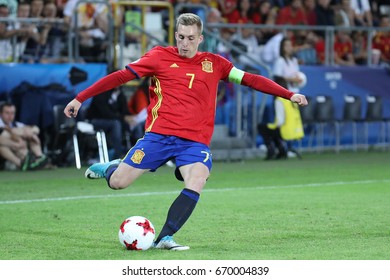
point(235, 75)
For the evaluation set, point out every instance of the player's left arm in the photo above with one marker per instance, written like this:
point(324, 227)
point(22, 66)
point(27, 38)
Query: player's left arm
point(263, 84)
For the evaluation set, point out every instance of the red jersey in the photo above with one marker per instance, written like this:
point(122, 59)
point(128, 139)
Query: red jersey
point(342, 48)
point(228, 5)
point(183, 92)
point(288, 16)
point(235, 17)
point(382, 42)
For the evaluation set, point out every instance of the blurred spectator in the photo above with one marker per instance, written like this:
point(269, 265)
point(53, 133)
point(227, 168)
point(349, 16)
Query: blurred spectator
point(344, 15)
point(255, 4)
point(36, 8)
point(13, 150)
point(309, 10)
point(60, 4)
point(214, 16)
point(381, 41)
point(320, 48)
point(343, 52)
point(9, 31)
point(24, 9)
point(20, 132)
point(52, 37)
point(23, 13)
point(359, 47)
point(286, 127)
point(222, 49)
point(242, 13)
point(32, 50)
point(6, 34)
point(287, 66)
point(286, 73)
point(4, 11)
point(292, 14)
point(137, 107)
point(211, 43)
point(295, 14)
point(379, 8)
point(108, 112)
point(227, 7)
point(324, 13)
point(247, 41)
point(271, 50)
point(12, 6)
point(92, 27)
point(129, 15)
point(362, 12)
point(304, 47)
point(264, 14)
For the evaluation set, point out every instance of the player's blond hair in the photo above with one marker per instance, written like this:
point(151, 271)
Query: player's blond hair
point(188, 19)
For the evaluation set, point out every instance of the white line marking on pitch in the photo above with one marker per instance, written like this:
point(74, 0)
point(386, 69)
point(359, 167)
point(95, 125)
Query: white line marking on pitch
point(205, 190)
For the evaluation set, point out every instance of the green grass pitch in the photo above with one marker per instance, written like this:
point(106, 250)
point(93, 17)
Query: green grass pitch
point(324, 207)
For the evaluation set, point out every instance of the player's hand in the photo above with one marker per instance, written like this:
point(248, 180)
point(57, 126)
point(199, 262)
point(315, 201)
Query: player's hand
point(72, 108)
point(299, 99)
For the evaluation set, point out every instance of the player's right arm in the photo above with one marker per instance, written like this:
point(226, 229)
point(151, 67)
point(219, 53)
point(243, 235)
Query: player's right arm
point(106, 83)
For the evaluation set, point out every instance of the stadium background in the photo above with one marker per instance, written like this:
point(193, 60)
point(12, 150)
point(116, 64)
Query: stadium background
point(36, 88)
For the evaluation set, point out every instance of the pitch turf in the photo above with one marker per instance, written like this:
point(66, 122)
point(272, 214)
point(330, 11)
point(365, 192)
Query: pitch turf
point(324, 207)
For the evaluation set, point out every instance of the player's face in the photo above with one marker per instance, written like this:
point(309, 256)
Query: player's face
point(188, 40)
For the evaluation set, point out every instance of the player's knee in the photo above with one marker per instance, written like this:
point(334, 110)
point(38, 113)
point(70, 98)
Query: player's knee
point(196, 184)
point(117, 183)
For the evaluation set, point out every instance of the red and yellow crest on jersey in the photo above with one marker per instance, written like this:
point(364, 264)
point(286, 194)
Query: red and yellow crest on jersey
point(207, 66)
point(137, 156)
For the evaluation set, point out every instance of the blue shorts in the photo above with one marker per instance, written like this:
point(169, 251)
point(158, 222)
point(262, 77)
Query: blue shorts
point(154, 150)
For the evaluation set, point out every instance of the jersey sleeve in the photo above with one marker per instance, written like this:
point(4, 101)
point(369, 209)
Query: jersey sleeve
point(265, 85)
point(147, 64)
point(225, 66)
point(106, 83)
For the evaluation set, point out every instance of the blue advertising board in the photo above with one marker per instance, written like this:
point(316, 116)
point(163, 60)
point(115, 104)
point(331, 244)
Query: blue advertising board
point(36, 88)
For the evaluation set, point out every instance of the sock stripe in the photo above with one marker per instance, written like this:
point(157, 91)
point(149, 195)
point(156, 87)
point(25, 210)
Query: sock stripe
point(109, 172)
point(191, 194)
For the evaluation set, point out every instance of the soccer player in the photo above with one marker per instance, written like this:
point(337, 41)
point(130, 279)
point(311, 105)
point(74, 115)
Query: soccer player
point(180, 118)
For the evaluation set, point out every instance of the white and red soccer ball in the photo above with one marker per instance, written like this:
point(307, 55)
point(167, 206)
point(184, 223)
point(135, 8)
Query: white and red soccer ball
point(136, 233)
point(303, 78)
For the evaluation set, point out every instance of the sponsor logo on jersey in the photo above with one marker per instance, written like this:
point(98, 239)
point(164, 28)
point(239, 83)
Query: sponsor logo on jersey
point(207, 66)
point(174, 65)
point(137, 156)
